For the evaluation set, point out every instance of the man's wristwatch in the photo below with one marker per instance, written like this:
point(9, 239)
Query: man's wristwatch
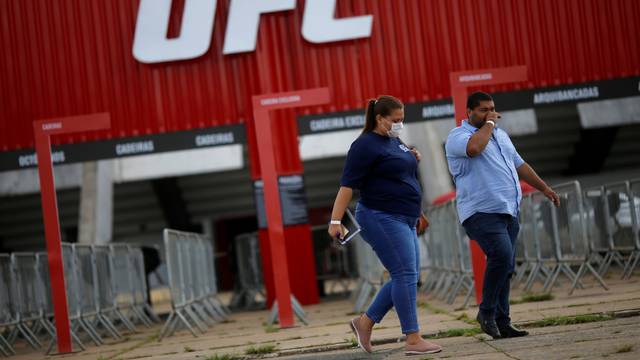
point(335, 222)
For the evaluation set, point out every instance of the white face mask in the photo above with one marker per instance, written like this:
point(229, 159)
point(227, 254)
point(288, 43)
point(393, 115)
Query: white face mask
point(396, 129)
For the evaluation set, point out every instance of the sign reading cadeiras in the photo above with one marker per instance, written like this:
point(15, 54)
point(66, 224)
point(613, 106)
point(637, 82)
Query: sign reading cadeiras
point(355, 119)
point(141, 145)
point(315, 124)
point(292, 198)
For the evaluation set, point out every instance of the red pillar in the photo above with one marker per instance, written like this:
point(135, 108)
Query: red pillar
point(43, 130)
point(281, 254)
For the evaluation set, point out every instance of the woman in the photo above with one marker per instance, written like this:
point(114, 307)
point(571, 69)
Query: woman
point(385, 172)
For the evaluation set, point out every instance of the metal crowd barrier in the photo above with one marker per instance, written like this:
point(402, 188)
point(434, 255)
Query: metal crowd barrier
point(124, 296)
point(26, 308)
point(566, 230)
point(7, 322)
point(449, 270)
point(249, 291)
point(634, 208)
point(531, 254)
point(370, 273)
point(192, 280)
point(614, 211)
point(553, 242)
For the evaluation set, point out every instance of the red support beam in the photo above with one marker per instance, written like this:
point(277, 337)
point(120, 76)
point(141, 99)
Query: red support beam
point(43, 130)
point(262, 104)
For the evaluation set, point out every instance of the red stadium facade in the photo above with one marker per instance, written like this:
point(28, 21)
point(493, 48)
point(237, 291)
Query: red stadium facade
point(75, 57)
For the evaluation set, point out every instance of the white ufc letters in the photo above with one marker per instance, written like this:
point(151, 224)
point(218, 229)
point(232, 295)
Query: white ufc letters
point(319, 26)
point(151, 45)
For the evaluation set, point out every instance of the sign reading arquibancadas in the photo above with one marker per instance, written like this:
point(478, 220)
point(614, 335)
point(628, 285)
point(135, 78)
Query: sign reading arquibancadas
point(516, 100)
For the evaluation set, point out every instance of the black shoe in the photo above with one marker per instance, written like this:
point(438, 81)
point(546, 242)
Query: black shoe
point(489, 326)
point(509, 331)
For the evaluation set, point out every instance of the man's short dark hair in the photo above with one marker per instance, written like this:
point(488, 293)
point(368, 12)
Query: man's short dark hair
point(474, 99)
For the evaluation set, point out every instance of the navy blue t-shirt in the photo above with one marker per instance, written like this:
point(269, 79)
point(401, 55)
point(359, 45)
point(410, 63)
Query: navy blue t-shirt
point(386, 173)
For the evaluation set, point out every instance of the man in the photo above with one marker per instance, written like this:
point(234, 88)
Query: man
point(486, 169)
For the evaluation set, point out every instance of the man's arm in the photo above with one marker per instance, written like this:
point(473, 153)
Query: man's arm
point(479, 140)
point(526, 173)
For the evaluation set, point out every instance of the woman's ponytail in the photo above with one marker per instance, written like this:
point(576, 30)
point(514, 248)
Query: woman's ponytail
point(370, 116)
point(381, 106)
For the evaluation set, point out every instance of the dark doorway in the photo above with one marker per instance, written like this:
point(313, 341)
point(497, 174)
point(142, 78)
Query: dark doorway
point(226, 231)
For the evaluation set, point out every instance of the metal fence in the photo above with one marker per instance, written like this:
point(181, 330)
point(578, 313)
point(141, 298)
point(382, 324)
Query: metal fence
point(93, 295)
point(371, 273)
point(614, 211)
point(192, 283)
point(592, 230)
point(249, 288)
point(449, 267)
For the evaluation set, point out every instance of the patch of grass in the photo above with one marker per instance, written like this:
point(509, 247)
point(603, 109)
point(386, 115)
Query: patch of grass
point(189, 349)
point(527, 298)
point(431, 308)
point(353, 341)
point(456, 333)
point(577, 305)
point(624, 349)
point(465, 318)
point(271, 329)
point(568, 320)
point(261, 350)
point(222, 357)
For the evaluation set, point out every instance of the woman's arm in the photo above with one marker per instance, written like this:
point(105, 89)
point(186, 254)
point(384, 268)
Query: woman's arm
point(339, 207)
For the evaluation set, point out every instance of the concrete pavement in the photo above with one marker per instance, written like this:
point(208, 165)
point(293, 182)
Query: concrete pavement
point(614, 335)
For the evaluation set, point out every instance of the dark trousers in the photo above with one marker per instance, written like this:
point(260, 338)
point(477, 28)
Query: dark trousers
point(496, 234)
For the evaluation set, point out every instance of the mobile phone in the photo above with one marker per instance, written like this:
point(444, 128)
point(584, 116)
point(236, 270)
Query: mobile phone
point(350, 226)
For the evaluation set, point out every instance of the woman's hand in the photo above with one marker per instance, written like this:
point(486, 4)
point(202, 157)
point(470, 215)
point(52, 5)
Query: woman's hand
point(416, 153)
point(336, 231)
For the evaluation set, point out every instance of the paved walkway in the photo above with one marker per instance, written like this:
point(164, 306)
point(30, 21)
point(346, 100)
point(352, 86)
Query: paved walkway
point(615, 335)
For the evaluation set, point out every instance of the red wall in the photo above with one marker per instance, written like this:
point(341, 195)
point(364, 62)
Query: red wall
point(70, 57)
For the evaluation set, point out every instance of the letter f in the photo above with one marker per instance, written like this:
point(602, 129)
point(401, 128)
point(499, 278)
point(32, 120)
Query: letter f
point(150, 43)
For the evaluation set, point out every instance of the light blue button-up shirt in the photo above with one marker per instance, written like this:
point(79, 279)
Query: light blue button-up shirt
point(488, 182)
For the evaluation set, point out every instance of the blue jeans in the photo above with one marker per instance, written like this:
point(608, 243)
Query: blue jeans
point(393, 238)
point(496, 234)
